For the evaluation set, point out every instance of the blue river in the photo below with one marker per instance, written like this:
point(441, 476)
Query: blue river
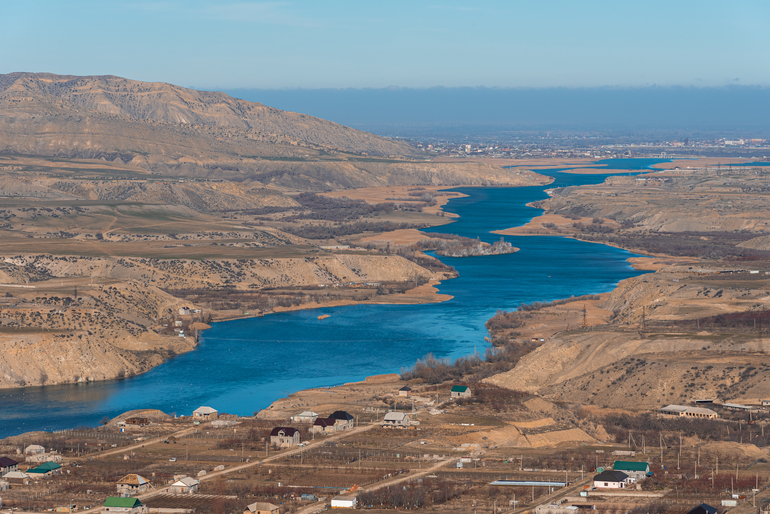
point(242, 366)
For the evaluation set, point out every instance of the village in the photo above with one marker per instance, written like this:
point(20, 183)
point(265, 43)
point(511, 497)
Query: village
point(391, 444)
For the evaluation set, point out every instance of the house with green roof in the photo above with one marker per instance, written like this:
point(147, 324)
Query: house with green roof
point(45, 469)
point(459, 391)
point(124, 505)
point(637, 470)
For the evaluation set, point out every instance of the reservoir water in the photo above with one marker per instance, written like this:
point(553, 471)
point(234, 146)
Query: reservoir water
point(243, 365)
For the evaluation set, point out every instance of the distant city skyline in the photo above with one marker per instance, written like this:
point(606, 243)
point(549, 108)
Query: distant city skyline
point(349, 44)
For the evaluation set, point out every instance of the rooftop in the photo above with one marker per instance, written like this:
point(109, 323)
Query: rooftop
point(45, 467)
point(627, 465)
point(133, 479)
point(114, 501)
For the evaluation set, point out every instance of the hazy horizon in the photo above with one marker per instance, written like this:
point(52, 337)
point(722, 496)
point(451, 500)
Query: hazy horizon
point(691, 110)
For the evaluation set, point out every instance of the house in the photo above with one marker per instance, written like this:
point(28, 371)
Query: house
point(184, 311)
point(765, 403)
point(43, 457)
point(133, 484)
point(284, 436)
point(16, 477)
point(342, 419)
point(46, 469)
point(324, 425)
point(307, 416)
point(34, 449)
point(7, 465)
point(205, 414)
point(344, 502)
point(124, 505)
point(460, 392)
point(186, 485)
point(636, 470)
point(690, 412)
point(610, 480)
point(396, 419)
point(261, 508)
point(405, 391)
point(703, 508)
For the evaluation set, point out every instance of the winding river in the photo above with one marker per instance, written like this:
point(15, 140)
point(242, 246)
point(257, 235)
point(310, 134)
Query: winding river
point(243, 365)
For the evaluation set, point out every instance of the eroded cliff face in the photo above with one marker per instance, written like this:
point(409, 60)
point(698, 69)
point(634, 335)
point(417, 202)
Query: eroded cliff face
point(74, 319)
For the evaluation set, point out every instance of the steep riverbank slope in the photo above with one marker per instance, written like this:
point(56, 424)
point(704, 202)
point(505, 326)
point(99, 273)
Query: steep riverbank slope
point(694, 328)
point(72, 319)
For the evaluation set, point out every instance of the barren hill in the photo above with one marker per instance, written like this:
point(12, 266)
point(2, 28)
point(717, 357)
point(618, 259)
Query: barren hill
point(171, 130)
point(40, 98)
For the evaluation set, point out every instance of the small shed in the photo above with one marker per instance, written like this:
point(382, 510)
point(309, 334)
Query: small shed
point(45, 469)
point(7, 465)
point(344, 502)
point(133, 484)
point(124, 505)
point(610, 480)
point(284, 436)
point(405, 391)
point(186, 485)
point(459, 391)
point(205, 414)
point(261, 508)
point(396, 419)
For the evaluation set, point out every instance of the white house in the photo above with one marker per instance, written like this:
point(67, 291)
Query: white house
point(396, 419)
point(307, 416)
point(186, 485)
point(205, 414)
point(344, 502)
point(34, 449)
point(610, 480)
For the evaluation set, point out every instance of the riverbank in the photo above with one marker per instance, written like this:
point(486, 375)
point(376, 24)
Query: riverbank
point(370, 338)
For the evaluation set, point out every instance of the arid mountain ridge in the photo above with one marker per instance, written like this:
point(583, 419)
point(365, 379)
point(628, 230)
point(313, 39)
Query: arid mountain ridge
point(111, 98)
point(173, 131)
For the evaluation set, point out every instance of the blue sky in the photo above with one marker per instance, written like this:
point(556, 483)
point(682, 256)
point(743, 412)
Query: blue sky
point(340, 44)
